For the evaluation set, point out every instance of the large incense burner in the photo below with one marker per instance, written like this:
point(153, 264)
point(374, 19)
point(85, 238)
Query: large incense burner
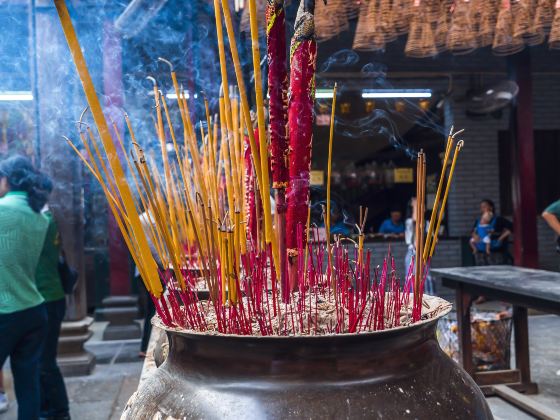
point(391, 374)
point(288, 327)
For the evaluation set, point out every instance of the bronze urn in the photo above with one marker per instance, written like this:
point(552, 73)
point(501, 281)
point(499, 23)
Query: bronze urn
point(391, 374)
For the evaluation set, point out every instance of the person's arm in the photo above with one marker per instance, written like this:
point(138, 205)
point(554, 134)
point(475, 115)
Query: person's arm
point(505, 234)
point(552, 221)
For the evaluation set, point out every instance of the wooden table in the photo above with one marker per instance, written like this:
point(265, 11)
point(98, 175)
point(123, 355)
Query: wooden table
point(523, 288)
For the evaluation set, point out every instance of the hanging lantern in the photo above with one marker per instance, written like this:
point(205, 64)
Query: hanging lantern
point(400, 106)
point(345, 108)
point(424, 104)
point(370, 106)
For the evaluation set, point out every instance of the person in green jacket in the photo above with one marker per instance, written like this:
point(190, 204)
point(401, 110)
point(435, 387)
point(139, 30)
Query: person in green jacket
point(552, 217)
point(54, 399)
point(23, 316)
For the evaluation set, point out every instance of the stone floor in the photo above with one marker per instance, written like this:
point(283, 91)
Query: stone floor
point(102, 395)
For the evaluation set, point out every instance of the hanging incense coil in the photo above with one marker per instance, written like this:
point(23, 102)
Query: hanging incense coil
point(420, 41)
point(442, 25)
point(353, 8)
point(387, 20)
point(523, 25)
point(485, 16)
point(504, 42)
point(402, 15)
point(554, 39)
point(544, 14)
point(461, 38)
point(433, 8)
point(329, 22)
point(369, 35)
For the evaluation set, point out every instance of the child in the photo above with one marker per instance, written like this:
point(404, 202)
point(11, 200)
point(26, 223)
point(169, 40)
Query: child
point(481, 238)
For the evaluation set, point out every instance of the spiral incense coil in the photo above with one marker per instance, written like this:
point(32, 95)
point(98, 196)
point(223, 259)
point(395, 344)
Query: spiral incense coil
point(387, 23)
point(433, 8)
point(554, 39)
point(369, 36)
point(402, 15)
point(544, 14)
point(523, 26)
point(504, 42)
point(329, 22)
point(442, 26)
point(420, 41)
point(353, 8)
point(486, 13)
point(461, 38)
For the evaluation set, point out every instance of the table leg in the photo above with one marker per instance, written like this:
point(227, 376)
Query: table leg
point(521, 331)
point(463, 301)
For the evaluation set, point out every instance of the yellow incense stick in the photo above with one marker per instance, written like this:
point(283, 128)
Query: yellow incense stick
point(152, 278)
point(133, 248)
point(243, 96)
point(438, 196)
point(329, 170)
point(458, 148)
point(307, 231)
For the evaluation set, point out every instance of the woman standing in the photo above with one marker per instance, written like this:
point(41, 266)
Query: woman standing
point(23, 316)
point(54, 400)
point(499, 230)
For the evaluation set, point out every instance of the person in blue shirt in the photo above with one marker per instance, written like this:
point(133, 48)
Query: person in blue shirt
point(394, 225)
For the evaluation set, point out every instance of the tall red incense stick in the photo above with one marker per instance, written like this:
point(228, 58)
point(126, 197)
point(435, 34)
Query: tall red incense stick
point(278, 116)
point(303, 59)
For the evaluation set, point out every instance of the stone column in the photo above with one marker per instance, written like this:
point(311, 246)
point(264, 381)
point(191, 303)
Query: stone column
point(120, 309)
point(525, 246)
point(60, 100)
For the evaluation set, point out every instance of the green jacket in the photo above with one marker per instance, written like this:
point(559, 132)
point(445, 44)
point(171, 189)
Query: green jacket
point(22, 234)
point(46, 276)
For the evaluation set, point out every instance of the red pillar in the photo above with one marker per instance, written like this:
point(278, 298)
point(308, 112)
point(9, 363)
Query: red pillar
point(523, 159)
point(119, 273)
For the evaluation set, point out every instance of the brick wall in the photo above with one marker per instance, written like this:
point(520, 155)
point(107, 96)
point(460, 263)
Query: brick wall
point(477, 172)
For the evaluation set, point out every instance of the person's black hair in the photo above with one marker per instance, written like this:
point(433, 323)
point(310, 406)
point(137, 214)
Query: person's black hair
point(22, 176)
point(490, 203)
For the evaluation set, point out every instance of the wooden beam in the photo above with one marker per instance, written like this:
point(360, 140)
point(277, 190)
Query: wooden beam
point(525, 403)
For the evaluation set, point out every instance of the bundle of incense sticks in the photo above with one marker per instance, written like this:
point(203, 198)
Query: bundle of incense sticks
point(186, 227)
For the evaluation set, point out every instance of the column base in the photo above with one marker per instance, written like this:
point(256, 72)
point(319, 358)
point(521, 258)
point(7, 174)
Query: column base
point(73, 359)
point(121, 312)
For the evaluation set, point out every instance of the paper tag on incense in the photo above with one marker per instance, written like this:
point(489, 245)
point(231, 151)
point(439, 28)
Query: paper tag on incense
point(557, 5)
point(416, 3)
